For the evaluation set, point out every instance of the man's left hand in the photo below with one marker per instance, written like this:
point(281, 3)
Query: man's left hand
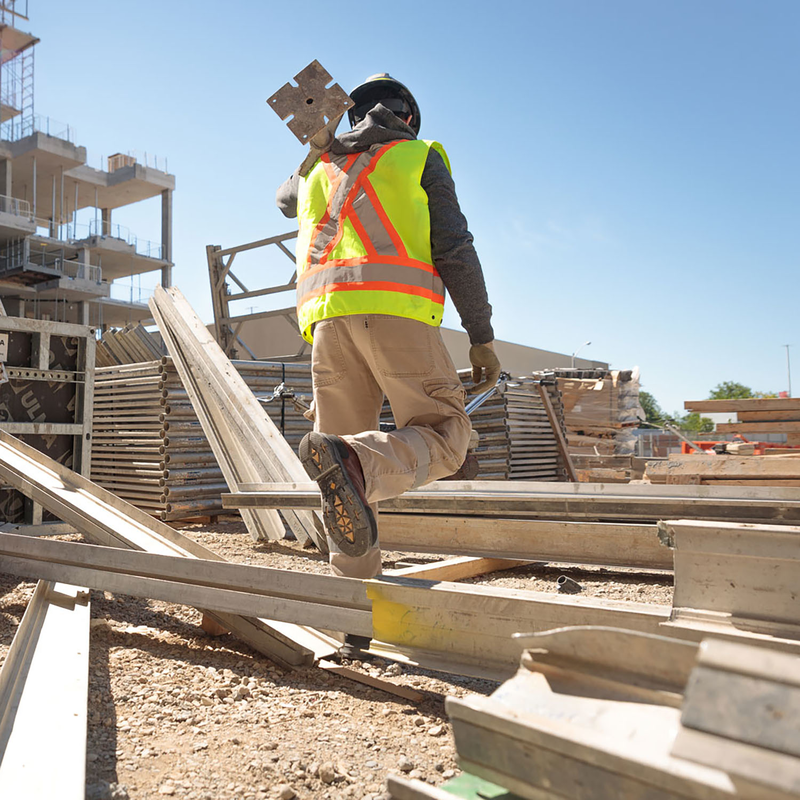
point(485, 365)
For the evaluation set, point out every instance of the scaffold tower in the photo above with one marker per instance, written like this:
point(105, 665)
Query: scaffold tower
point(16, 71)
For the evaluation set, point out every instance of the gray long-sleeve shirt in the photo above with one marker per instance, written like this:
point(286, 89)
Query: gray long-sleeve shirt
point(451, 242)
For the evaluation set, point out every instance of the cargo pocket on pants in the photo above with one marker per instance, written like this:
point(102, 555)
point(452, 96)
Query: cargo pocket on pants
point(448, 395)
point(327, 361)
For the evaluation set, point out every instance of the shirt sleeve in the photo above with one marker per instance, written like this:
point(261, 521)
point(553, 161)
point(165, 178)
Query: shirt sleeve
point(286, 196)
point(454, 253)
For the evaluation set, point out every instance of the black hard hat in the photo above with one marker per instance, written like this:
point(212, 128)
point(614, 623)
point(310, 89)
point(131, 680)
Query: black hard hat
point(383, 88)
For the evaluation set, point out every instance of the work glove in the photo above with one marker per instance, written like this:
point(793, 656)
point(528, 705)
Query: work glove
point(486, 365)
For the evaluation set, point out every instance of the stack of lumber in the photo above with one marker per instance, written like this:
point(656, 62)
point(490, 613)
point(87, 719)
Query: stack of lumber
point(755, 415)
point(601, 409)
point(726, 470)
point(608, 469)
point(148, 446)
point(128, 345)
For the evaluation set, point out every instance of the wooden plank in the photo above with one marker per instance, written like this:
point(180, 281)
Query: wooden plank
point(538, 742)
point(759, 427)
point(401, 788)
point(769, 416)
point(748, 404)
point(726, 467)
point(375, 683)
point(592, 714)
point(44, 687)
point(455, 569)
point(555, 424)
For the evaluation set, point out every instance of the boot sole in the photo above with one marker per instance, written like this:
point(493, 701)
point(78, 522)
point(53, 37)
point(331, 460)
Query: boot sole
point(349, 521)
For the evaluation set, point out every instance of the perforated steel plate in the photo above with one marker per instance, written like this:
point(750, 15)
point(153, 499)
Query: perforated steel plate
point(312, 104)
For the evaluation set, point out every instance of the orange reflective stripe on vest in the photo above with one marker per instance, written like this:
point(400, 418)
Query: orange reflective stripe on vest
point(353, 256)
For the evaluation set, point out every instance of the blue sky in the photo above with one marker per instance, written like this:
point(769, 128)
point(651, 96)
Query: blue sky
point(629, 168)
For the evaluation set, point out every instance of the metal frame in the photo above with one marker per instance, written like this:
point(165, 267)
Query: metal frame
point(41, 332)
point(227, 327)
point(556, 501)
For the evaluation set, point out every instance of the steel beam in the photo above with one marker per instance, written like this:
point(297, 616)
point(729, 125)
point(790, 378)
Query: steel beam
point(44, 687)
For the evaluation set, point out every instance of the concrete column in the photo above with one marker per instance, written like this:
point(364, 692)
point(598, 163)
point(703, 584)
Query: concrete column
point(166, 236)
point(53, 224)
point(105, 216)
point(33, 209)
point(5, 182)
point(83, 313)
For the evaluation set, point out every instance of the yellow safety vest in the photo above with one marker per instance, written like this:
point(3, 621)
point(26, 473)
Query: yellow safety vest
point(364, 245)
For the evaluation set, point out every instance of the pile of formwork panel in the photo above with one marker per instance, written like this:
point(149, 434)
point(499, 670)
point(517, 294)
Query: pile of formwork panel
point(516, 438)
point(128, 345)
point(148, 446)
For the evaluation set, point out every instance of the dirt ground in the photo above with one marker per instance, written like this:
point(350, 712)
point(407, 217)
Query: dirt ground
point(174, 712)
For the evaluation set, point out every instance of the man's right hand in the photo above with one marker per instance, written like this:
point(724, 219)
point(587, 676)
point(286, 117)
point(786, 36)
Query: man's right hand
point(485, 367)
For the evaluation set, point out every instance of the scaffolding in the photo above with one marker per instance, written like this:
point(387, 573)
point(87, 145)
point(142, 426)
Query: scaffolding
point(16, 72)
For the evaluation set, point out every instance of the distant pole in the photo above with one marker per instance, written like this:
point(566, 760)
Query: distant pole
point(585, 344)
point(789, 368)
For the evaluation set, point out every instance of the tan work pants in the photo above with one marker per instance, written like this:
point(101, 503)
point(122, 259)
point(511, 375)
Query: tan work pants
point(358, 359)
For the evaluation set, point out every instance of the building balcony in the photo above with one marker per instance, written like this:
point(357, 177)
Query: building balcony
point(15, 219)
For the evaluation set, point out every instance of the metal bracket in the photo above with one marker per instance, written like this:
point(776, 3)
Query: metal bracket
point(68, 601)
point(314, 109)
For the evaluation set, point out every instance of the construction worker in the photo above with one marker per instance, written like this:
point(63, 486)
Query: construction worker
point(381, 236)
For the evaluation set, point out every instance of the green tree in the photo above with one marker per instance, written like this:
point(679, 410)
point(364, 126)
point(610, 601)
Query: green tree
point(652, 410)
point(695, 423)
point(731, 390)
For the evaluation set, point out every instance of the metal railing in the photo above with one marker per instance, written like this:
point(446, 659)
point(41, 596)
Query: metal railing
point(143, 247)
point(78, 270)
point(13, 129)
point(12, 205)
point(76, 232)
point(129, 293)
point(19, 255)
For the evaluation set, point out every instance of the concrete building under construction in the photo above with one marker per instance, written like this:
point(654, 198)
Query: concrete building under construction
point(60, 252)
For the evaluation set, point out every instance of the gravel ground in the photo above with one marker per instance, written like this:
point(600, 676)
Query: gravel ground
point(176, 712)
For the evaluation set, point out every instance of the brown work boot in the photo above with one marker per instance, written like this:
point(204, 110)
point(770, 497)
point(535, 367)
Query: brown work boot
point(334, 465)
